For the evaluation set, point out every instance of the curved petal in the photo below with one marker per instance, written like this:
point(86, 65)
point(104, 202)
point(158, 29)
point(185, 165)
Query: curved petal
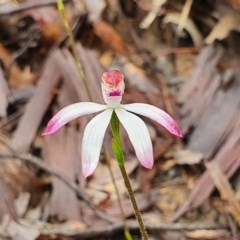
point(92, 141)
point(70, 113)
point(156, 114)
point(138, 135)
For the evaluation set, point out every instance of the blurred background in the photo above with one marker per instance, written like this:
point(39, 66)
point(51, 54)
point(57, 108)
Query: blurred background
point(181, 56)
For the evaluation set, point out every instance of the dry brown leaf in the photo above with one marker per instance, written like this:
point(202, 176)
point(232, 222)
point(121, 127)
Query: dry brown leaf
point(223, 27)
point(17, 77)
point(152, 14)
point(235, 4)
point(65, 228)
point(61, 151)
point(51, 34)
point(207, 234)
point(190, 27)
point(3, 95)
point(171, 198)
point(186, 156)
point(184, 16)
point(138, 78)
point(5, 55)
point(166, 165)
point(225, 189)
point(110, 36)
point(17, 231)
point(145, 177)
point(39, 103)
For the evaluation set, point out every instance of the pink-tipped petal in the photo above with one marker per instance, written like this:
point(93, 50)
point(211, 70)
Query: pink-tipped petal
point(70, 113)
point(92, 141)
point(138, 135)
point(156, 114)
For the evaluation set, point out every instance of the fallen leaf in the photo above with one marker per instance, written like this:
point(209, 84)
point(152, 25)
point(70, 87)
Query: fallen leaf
point(110, 36)
point(187, 156)
point(3, 95)
point(221, 30)
point(152, 14)
point(207, 234)
point(18, 231)
point(225, 189)
point(190, 27)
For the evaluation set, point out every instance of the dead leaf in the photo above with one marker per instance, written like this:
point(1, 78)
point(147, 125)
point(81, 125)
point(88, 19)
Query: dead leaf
point(187, 156)
point(152, 14)
point(221, 30)
point(21, 203)
point(190, 27)
point(184, 16)
point(138, 78)
point(110, 37)
point(61, 151)
point(18, 231)
point(36, 108)
point(3, 95)
point(207, 234)
point(17, 77)
point(145, 177)
point(225, 189)
point(171, 197)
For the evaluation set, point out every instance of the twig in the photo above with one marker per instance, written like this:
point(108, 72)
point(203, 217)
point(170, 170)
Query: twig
point(109, 230)
point(39, 163)
point(29, 5)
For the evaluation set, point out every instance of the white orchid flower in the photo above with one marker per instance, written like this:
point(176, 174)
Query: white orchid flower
point(112, 90)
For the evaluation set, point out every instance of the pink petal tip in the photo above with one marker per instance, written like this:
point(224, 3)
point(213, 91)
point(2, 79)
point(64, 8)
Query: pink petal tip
point(51, 128)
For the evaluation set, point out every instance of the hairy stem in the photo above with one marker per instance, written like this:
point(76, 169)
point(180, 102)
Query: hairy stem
point(134, 203)
point(126, 231)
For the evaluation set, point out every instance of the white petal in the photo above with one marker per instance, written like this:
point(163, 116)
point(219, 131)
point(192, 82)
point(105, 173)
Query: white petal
point(70, 113)
point(156, 114)
point(92, 141)
point(138, 135)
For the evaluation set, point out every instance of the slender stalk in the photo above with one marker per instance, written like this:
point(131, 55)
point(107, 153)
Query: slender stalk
point(126, 231)
point(134, 203)
point(118, 151)
point(61, 9)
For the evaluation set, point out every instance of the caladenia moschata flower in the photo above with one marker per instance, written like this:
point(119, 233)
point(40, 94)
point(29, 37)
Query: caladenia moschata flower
point(112, 90)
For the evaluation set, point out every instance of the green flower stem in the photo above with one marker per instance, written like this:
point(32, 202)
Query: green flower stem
point(118, 151)
point(61, 9)
point(126, 231)
point(134, 203)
